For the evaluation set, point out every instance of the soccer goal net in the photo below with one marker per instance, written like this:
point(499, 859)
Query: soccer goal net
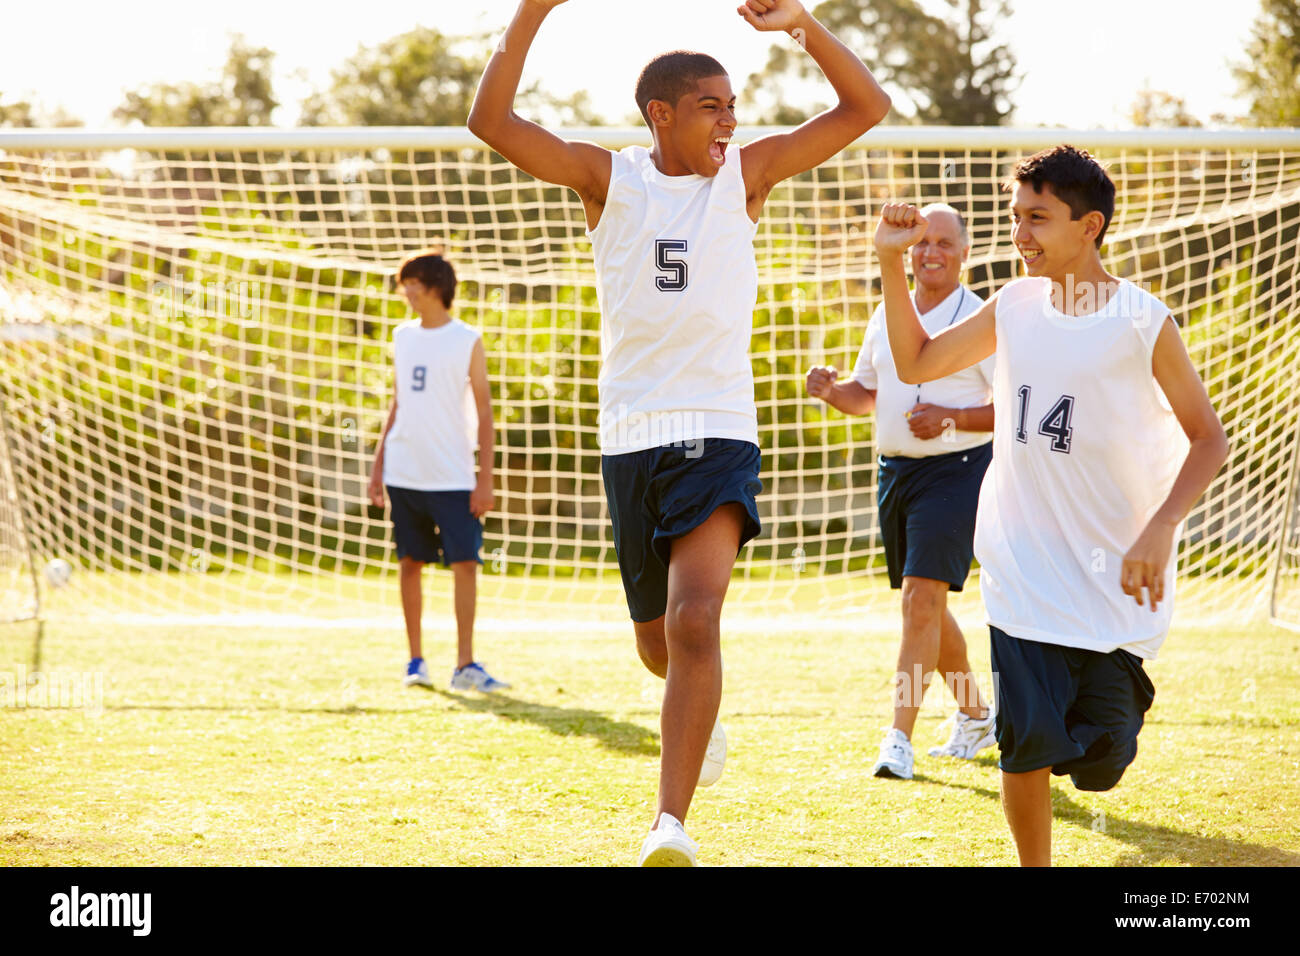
point(194, 361)
point(18, 590)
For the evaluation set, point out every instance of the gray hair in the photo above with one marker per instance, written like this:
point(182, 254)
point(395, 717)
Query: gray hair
point(944, 207)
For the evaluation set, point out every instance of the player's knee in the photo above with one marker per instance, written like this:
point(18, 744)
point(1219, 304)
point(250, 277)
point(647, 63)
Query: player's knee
point(695, 618)
point(653, 654)
point(1104, 773)
point(1097, 779)
point(923, 600)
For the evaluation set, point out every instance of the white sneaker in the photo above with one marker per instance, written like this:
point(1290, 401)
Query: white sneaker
point(668, 845)
point(969, 737)
point(417, 673)
point(474, 677)
point(895, 758)
point(715, 758)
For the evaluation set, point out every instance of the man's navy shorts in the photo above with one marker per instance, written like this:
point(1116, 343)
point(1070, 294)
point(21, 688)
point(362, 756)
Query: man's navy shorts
point(435, 526)
point(660, 494)
point(1074, 710)
point(927, 514)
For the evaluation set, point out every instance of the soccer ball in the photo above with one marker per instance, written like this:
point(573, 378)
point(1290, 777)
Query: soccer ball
point(58, 572)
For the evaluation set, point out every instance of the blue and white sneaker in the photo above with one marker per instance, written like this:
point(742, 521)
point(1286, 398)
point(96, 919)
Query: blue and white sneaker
point(473, 677)
point(417, 672)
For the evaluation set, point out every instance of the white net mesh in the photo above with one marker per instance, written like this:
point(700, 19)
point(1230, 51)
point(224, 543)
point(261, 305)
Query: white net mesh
point(194, 353)
point(1286, 582)
point(18, 594)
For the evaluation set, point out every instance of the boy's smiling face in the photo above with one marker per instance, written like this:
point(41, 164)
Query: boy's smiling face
point(1050, 242)
point(699, 128)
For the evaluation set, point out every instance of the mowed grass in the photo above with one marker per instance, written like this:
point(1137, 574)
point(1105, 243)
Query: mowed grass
point(297, 745)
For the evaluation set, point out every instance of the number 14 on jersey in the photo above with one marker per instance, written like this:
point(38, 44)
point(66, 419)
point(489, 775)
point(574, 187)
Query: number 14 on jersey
point(1055, 424)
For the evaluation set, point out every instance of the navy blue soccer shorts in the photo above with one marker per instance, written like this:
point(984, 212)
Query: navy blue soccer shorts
point(927, 514)
point(662, 493)
point(435, 527)
point(1074, 710)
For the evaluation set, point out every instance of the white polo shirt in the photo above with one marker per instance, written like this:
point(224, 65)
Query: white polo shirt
point(969, 388)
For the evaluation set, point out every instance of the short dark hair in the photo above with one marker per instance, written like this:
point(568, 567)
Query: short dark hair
point(1076, 179)
point(670, 76)
point(433, 272)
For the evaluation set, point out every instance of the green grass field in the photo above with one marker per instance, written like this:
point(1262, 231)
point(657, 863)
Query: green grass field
point(297, 745)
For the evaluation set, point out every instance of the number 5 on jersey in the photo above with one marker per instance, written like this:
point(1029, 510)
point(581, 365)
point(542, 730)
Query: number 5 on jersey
point(673, 271)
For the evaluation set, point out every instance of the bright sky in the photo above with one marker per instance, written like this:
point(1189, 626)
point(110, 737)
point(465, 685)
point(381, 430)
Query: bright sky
point(1082, 62)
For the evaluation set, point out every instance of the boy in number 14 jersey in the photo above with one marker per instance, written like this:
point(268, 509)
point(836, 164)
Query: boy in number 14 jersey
point(1103, 440)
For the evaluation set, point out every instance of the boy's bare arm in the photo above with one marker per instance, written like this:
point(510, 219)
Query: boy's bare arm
point(1144, 565)
point(583, 167)
point(918, 357)
point(376, 488)
point(483, 498)
point(862, 103)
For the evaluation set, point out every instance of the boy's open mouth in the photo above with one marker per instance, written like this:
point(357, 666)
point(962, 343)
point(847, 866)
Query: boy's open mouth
point(718, 149)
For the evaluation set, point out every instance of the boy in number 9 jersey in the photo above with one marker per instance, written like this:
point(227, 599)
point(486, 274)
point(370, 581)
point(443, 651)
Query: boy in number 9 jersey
point(425, 461)
point(1103, 441)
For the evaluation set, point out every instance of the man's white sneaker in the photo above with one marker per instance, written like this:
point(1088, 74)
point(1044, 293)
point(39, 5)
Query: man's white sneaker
point(668, 845)
point(715, 758)
point(969, 737)
point(895, 758)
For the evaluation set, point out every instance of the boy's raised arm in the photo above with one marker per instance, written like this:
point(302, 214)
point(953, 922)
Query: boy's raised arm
point(584, 167)
point(862, 103)
point(918, 357)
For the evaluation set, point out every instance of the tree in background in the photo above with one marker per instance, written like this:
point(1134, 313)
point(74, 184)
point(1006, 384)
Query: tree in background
point(1159, 108)
point(25, 114)
point(18, 113)
point(424, 78)
point(949, 66)
point(1270, 77)
point(242, 97)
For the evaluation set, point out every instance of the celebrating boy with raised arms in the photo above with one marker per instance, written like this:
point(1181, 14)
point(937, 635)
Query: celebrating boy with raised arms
point(672, 233)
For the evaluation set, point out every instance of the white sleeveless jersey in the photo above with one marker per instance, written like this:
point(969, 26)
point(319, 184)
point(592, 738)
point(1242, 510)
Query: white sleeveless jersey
point(677, 283)
point(431, 444)
point(1085, 450)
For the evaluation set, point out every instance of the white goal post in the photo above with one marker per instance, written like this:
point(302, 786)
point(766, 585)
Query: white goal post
point(194, 365)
